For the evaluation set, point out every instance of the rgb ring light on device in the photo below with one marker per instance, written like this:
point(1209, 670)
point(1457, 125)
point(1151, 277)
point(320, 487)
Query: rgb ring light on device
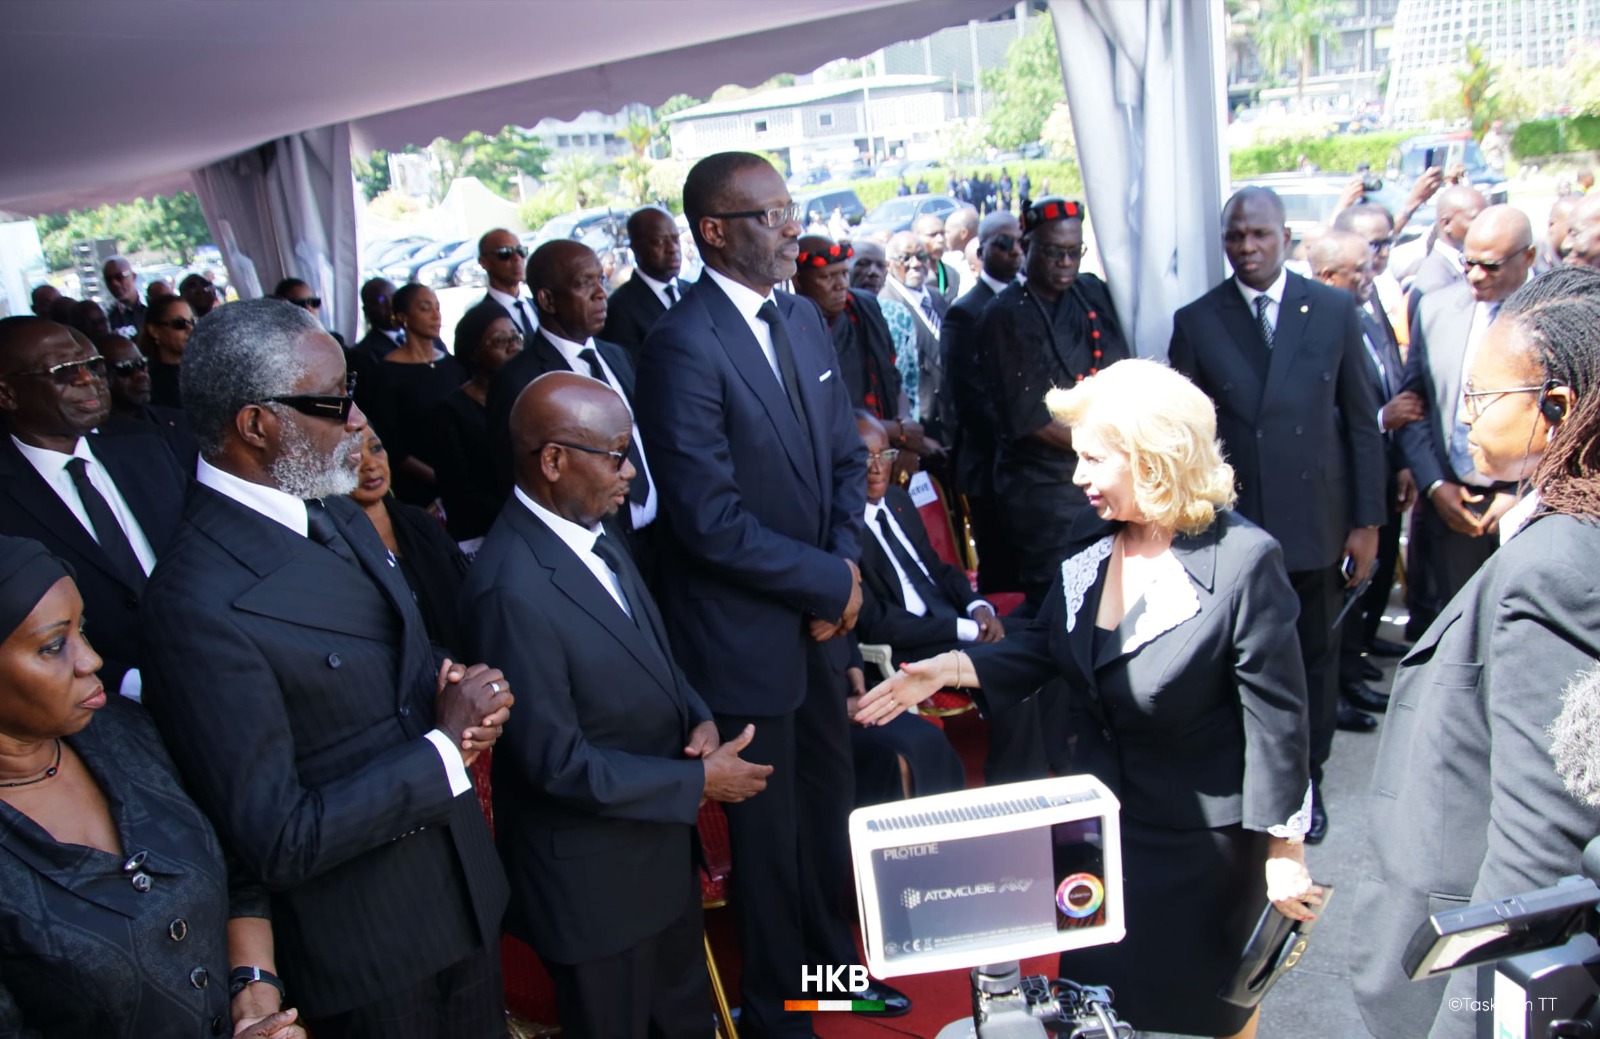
point(1080, 895)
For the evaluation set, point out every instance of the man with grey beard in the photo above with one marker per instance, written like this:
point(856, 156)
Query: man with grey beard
point(295, 686)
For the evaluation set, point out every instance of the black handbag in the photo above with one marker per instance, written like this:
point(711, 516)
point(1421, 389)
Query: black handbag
point(1276, 946)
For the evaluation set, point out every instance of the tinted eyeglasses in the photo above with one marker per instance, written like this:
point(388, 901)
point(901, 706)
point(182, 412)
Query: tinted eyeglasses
point(504, 342)
point(616, 456)
point(308, 302)
point(885, 457)
point(132, 366)
point(1057, 253)
point(320, 405)
point(68, 372)
point(1490, 266)
point(506, 252)
point(178, 324)
point(777, 216)
point(1004, 242)
point(921, 257)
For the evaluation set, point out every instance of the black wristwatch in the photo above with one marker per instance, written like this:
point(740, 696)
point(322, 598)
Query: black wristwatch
point(242, 977)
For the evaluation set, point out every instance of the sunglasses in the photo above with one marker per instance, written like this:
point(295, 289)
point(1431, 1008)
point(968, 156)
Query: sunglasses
point(618, 457)
point(178, 324)
point(908, 257)
point(1489, 266)
point(308, 302)
point(130, 367)
point(1004, 242)
point(1057, 253)
point(506, 252)
point(66, 373)
point(320, 405)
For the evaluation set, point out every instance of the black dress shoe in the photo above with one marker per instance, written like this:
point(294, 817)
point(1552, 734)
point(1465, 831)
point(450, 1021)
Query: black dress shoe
point(1370, 672)
point(1351, 720)
point(1319, 821)
point(895, 1002)
point(1384, 648)
point(1366, 698)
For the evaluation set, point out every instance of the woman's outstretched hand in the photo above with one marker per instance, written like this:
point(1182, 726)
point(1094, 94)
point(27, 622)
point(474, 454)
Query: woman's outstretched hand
point(914, 683)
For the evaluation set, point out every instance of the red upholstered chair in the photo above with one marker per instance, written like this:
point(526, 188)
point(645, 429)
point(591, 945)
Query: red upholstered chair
point(714, 887)
point(530, 995)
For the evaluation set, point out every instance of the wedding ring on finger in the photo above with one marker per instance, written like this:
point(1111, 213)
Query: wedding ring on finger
point(494, 687)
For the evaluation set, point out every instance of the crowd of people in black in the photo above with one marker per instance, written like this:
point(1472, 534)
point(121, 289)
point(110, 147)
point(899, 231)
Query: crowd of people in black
point(268, 598)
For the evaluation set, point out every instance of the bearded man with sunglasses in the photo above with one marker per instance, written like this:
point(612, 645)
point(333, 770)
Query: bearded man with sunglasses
point(1455, 528)
point(107, 505)
point(291, 675)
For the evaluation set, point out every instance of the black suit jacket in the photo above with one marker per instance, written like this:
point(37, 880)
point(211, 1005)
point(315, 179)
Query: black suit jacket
point(884, 617)
point(295, 693)
point(152, 483)
point(763, 513)
point(539, 355)
point(593, 795)
point(971, 410)
point(632, 311)
point(1299, 422)
point(374, 345)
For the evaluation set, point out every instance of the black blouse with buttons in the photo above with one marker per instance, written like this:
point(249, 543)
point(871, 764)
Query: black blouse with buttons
point(131, 945)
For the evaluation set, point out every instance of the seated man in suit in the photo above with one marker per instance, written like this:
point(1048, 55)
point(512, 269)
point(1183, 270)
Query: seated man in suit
point(611, 747)
point(568, 286)
point(290, 674)
point(654, 288)
point(107, 505)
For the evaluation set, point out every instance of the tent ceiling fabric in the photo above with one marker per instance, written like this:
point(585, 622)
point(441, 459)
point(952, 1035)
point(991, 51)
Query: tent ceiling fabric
point(110, 99)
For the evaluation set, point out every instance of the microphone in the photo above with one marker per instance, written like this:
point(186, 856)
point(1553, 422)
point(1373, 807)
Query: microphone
point(1575, 737)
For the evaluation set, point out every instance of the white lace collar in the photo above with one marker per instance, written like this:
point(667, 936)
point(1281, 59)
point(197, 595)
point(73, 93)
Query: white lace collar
point(1169, 600)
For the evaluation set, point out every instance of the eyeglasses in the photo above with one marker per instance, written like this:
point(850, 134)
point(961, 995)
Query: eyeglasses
point(886, 457)
point(777, 216)
point(1491, 266)
point(1380, 245)
point(308, 302)
point(501, 342)
point(66, 373)
point(1004, 242)
point(1474, 405)
point(131, 366)
point(616, 456)
point(506, 252)
point(1057, 253)
point(320, 405)
point(178, 324)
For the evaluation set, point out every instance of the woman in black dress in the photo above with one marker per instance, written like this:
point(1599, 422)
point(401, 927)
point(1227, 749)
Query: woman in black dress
point(410, 382)
point(429, 561)
point(118, 916)
point(167, 324)
point(1172, 620)
point(485, 340)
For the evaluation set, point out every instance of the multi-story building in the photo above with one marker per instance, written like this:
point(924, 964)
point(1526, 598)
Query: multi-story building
point(828, 123)
point(1346, 67)
point(595, 134)
point(1430, 34)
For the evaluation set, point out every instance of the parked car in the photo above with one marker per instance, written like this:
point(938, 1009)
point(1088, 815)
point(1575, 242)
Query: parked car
point(381, 254)
point(443, 272)
point(577, 225)
point(898, 214)
point(824, 202)
point(405, 269)
point(1309, 200)
point(1412, 156)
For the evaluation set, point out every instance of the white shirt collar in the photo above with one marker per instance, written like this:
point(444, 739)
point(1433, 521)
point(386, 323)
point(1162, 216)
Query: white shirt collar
point(1273, 292)
point(994, 283)
point(1449, 252)
point(658, 287)
point(571, 350)
point(505, 299)
point(43, 458)
point(580, 539)
point(268, 501)
point(745, 300)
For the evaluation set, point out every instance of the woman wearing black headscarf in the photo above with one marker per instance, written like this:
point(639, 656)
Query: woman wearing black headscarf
point(117, 915)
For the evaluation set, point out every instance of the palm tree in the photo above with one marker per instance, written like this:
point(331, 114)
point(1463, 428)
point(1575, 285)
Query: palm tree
point(639, 133)
point(1242, 16)
point(578, 176)
point(1289, 30)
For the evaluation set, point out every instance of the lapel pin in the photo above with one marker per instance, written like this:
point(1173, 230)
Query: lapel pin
point(1304, 309)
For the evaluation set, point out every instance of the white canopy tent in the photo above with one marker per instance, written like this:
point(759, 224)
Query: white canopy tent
point(255, 103)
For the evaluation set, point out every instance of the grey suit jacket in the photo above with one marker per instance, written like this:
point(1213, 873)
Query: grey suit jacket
point(932, 393)
point(1299, 422)
point(1439, 329)
point(1435, 272)
point(593, 795)
point(1200, 703)
point(1466, 804)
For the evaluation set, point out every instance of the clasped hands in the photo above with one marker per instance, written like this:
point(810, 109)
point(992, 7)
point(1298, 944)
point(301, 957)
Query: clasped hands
point(471, 705)
point(1464, 510)
point(729, 778)
point(823, 629)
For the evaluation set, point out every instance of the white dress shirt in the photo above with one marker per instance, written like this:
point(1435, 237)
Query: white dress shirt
point(917, 298)
point(644, 514)
point(994, 283)
point(658, 287)
point(581, 540)
point(747, 302)
point(52, 468)
point(1274, 294)
point(520, 306)
point(1460, 453)
point(289, 511)
point(966, 630)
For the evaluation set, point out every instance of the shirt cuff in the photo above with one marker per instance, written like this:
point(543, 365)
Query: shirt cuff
point(454, 767)
point(972, 607)
point(132, 685)
point(1299, 823)
point(966, 630)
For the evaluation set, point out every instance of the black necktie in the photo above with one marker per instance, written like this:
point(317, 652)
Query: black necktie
point(639, 486)
point(633, 593)
point(107, 531)
point(1264, 322)
point(785, 354)
point(917, 577)
point(672, 295)
point(525, 318)
point(325, 532)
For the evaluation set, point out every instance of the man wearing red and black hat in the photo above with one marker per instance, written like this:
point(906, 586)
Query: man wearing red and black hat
point(1055, 329)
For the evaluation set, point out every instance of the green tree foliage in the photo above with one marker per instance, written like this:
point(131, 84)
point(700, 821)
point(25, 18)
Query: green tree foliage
point(1476, 81)
point(498, 159)
point(1289, 30)
point(372, 174)
point(1018, 96)
point(579, 178)
point(170, 224)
